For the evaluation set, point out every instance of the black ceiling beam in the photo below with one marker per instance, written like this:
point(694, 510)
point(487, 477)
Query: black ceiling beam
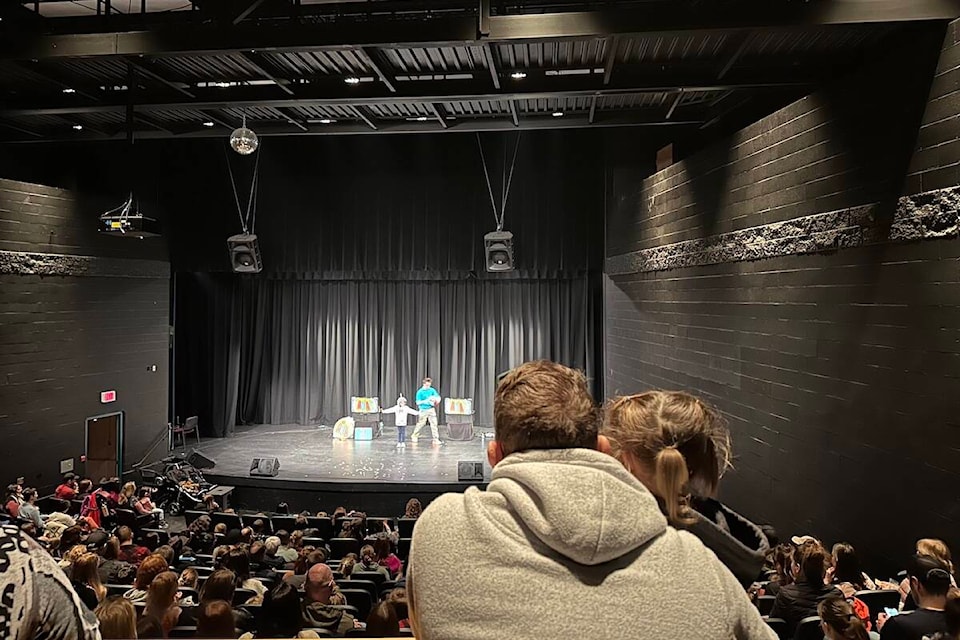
point(213, 117)
point(491, 65)
point(185, 35)
point(362, 116)
point(152, 122)
point(336, 92)
point(468, 124)
point(513, 113)
point(146, 69)
point(674, 104)
point(251, 6)
point(56, 78)
point(613, 43)
point(14, 127)
point(593, 109)
point(436, 114)
point(385, 78)
point(294, 119)
point(256, 62)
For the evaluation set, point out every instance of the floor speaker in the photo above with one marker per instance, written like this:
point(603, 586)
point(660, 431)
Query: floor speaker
point(469, 471)
point(201, 461)
point(269, 467)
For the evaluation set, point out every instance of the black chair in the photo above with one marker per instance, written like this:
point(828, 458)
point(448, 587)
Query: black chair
point(283, 522)
point(375, 525)
point(386, 588)
point(353, 584)
point(240, 596)
point(205, 558)
point(403, 549)
point(190, 515)
point(163, 536)
point(187, 592)
point(877, 601)
point(314, 542)
point(361, 599)
point(130, 518)
point(190, 427)
point(375, 577)
point(182, 632)
point(765, 604)
point(779, 626)
point(340, 547)
point(406, 527)
point(202, 572)
point(232, 520)
point(809, 629)
point(323, 526)
point(117, 589)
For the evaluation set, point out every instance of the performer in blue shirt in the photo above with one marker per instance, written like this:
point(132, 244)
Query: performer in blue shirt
point(427, 401)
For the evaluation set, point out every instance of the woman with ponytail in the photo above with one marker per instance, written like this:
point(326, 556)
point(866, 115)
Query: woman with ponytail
point(839, 621)
point(679, 446)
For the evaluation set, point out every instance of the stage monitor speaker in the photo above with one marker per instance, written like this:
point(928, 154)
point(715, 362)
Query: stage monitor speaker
point(269, 467)
point(201, 461)
point(469, 471)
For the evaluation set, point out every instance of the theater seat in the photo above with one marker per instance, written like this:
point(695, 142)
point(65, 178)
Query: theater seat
point(765, 604)
point(809, 629)
point(182, 632)
point(406, 526)
point(361, 599)
point(354, 583)
point(340, 547)
point(240, 596)
point(779, 626)
point(373, 576)
point(877, 601)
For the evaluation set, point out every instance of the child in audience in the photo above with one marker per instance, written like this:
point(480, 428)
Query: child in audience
point(216, 620)
point(162, 600)
point(846, 569)
point(118, 619)
point(86, 580)
point(144, 506)
point(839, 622)
point(382, 621)
point(370, 562)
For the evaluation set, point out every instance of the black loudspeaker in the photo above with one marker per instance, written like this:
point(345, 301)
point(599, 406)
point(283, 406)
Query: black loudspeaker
point(244, 253)
point(469, 471)
point(498, 248)
point(201, 461)
point(269, 467)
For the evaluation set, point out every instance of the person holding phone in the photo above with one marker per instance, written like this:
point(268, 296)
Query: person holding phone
point(929, 584)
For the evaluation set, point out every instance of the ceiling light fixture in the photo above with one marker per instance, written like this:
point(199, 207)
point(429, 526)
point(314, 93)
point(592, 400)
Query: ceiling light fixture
point(208, 124)
point(557, 114)
point(352, 80)
point(421, 118)
point(326, 121)
point(518, 75)
point(69, 90)
point(78, 127)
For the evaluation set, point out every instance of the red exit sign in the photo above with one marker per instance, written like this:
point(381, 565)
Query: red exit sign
point(108, 396)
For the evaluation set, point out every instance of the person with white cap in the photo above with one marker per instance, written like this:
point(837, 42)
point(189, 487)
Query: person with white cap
point(400, 412)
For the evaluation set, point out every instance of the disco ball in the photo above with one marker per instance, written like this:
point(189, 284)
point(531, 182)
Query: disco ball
point(244, 141)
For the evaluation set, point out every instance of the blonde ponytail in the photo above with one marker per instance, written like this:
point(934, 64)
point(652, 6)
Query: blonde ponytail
point(670, 477)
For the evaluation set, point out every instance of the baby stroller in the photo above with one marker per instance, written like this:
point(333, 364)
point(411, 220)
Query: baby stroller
point(178, 487)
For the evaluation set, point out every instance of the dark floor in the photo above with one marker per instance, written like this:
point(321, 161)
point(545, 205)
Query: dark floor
point(311, 453)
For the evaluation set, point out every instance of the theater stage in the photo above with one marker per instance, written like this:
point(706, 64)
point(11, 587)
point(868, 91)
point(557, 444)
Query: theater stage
point(320, 473)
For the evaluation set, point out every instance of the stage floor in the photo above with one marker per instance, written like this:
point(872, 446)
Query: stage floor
point(309, 453)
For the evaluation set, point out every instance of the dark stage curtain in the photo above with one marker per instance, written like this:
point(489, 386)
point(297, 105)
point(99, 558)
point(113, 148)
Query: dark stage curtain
point(307, 346)
point(294, 351)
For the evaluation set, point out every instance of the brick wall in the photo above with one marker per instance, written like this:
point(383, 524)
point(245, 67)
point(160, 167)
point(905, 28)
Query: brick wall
point(779, 275)
point(79, 313)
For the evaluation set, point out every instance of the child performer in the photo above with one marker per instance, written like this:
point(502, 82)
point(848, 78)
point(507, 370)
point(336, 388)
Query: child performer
point(401, 411)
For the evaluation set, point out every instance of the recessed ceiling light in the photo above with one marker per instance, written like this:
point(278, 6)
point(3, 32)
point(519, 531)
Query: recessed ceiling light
point(78, 127)
point(352, 80)
point(557, 114)
point(518, 75)
point(422, 118)
point(208, 124)
point(326, 121)
point(69, 90)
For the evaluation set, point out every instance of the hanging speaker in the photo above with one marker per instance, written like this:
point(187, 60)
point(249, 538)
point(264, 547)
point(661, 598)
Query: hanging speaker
point(498, 248)
point(244, 253)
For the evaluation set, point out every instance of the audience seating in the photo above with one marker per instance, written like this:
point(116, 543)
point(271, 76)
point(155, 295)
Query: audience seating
point(323, 526)
point(232, 520)
point(202, 571)
point(373, 576)
point(406, 527)
point(361, 599)
point(190, 515)
point(187, 592)
point(366, 585)
point(877, 601)
point(809, 629)
point(129, 518)
point(314, 542)
point(765, 604)
point(287, 523)
point(240, 596)
point(779, 626)
point(162, 534)
point(403, 549)
point(375, 525)
point(117, 589)
point(340, 547)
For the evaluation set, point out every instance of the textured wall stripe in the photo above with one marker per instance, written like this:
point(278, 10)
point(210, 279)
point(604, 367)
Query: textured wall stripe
point(54, 264)
point(929, 215)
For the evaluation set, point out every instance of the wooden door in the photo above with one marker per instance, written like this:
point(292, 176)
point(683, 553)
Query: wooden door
point(104, 438)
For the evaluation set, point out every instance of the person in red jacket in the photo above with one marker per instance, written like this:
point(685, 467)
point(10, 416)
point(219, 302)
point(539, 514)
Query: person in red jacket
point(68, 488)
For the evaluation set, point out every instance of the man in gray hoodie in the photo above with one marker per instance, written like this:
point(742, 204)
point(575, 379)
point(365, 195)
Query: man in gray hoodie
point(564, 542)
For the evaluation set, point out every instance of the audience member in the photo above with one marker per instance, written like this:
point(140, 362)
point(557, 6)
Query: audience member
point(838, 621)
point(210, 504)
point(782, 558)
point(70, 558)
point(129, 550)
point(216, 620)
point(86, 580)
point(259, 528)
point(150, 627)
point(387, 558)
point(679, 447)
point(167, 553)
point(285, 551)
point(189, 578)
point(413, 509)
point(929, 579)
point(144, 505)
point(128, 495)
point(846, 570)
point(118, 619)
point(221, 586)
point(370, 562)
point(220, 529)
point(13, 500)
point(84, 488)
point(29, 510)
point(564, 515)
point(382, 621)
point(271, 559)
point(238, 561)
point(150, 568)
point(935, 549)
point(38, 601)
point(67, 490)
point(398, 598)
point(952, 614)
point(246, 535)
point(298, 576)
point(114, 570)
point(280, 615)
point(799, 600)
point(162, 600)
point(348, 565)
point(319, 595)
